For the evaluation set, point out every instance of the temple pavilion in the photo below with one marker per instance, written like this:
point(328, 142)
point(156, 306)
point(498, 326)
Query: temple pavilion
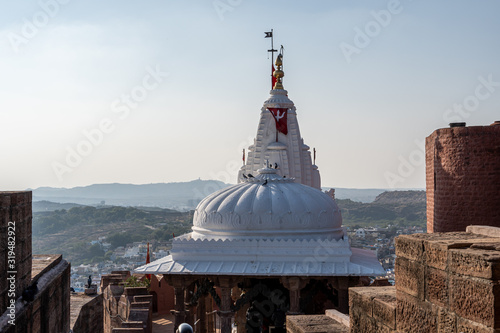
point(271, 245)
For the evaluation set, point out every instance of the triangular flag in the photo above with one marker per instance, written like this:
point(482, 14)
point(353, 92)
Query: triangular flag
point(280, 117)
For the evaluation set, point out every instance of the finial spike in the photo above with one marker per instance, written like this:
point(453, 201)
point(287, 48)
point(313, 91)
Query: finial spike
point(278, 73)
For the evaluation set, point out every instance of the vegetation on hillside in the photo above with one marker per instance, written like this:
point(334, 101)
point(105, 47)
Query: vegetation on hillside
point(70, 231)
point(397, 208)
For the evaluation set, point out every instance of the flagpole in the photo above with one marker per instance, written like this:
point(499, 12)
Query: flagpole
point(272, 53)
point(272, 50)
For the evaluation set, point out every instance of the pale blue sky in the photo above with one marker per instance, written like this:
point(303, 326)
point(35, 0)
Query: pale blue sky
point(363, 112)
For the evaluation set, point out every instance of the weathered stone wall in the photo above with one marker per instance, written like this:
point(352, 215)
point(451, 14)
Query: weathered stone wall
point(463, 178)
point(125, 309)
point(164, 294)
point(89, 313)
point(49, 312)
point(15, 207)
point(372, 309)
point(447, 283)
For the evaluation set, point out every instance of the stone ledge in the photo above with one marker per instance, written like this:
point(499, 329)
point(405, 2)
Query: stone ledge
point(338, 316)
point(375, 302)
point(484, 230)
point(42, 263)
point(314, 324)
point(79, 301)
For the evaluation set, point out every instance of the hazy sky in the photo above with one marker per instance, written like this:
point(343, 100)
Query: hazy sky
point(162, 91)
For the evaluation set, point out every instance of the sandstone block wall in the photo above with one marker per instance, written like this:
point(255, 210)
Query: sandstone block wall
point(372, 309)
point(463, 178)
point(447, 283)
point(15, 207)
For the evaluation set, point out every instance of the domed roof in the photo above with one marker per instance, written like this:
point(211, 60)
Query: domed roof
point(267, 206)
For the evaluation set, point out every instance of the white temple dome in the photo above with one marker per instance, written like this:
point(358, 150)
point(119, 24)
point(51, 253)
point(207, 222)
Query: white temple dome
point(268, 207)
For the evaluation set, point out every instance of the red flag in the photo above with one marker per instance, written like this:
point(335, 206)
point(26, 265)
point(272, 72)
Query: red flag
point(280, 116)
point(173, 235)
point(243, 156)
point(273, 79)
point(148, 276)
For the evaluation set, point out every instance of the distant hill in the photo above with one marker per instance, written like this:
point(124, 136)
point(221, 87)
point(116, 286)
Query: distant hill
point(69, 228)
point(401, 197)
point(49, 206)
point(181, 196)
point(396, 208)
point(70, 232)
point(355, 194)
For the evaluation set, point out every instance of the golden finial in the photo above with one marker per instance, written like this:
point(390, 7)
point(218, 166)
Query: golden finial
point(278, 73)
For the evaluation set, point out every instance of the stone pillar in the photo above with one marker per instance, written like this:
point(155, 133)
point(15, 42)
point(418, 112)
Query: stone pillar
point(341, 284)
point(209, 308)
point(226, 315)
point(241, 318)
point(201, 313)
point(188, 293)
point(179, 310)
point(294, 285)
point(226, 284)
point(240, 315)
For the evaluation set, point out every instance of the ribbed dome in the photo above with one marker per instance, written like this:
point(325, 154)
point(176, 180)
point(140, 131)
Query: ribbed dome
point(268, 206)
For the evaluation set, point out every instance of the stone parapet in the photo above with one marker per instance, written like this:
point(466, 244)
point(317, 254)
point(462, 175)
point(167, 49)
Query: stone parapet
point(445, 283)
point(126, 309)
point(49, 311)
point(372, 309)
point(86, 313)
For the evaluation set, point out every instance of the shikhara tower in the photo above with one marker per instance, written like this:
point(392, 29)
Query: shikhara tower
point(278, 139)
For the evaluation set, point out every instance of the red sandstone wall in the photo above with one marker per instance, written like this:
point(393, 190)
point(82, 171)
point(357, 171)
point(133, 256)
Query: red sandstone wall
point(463, 178)
point(164, 293)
